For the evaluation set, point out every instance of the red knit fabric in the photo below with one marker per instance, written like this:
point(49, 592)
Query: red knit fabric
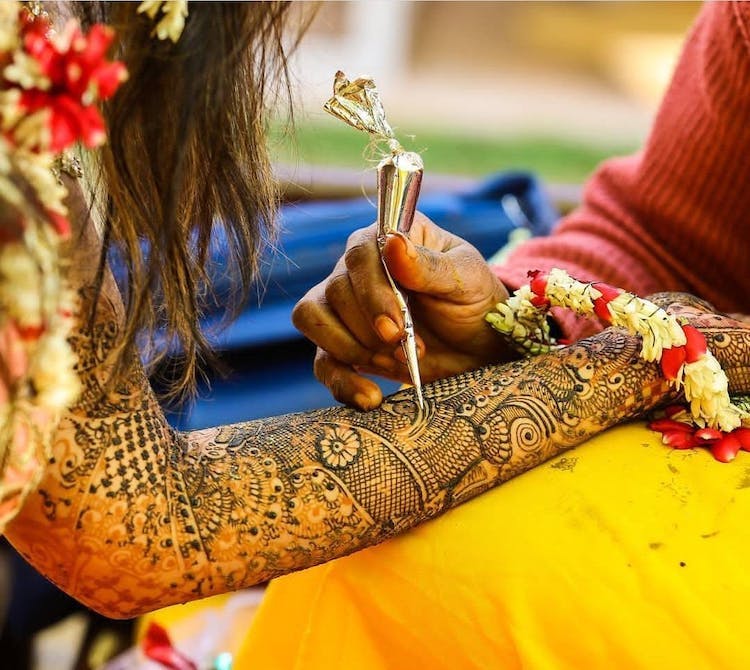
point(675, 217)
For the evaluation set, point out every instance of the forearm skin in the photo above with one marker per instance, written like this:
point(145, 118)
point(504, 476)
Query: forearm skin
point(132, 516)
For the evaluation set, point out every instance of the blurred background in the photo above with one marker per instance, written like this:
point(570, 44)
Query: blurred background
point(478, 88)
point(481, 86)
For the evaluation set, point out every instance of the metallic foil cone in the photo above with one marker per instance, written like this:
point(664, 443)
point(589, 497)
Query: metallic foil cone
point(357, 103)
point(399, 181)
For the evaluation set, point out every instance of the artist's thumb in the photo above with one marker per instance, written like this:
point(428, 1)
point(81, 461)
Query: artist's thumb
point(419, 269)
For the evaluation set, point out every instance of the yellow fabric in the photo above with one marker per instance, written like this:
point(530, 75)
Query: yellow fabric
point(620, 554)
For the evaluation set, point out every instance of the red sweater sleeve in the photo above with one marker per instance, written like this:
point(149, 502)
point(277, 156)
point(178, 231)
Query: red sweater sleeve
point(677, 215)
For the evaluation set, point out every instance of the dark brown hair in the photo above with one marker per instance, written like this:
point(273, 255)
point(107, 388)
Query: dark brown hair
point(186, 153)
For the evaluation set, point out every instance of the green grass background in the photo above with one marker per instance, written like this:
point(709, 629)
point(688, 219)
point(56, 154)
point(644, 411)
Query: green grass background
point(553, 159)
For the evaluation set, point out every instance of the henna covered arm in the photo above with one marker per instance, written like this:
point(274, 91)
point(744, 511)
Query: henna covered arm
point(132, 515)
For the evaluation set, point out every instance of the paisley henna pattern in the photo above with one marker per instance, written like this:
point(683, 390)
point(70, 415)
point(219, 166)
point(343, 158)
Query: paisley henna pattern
point(131, 515)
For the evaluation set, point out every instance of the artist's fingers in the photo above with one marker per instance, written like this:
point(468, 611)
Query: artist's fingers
point(340, 297)
point(314, 317)
point(345, 383)
point(400, 355)
point(433, 262)
point(370, 285)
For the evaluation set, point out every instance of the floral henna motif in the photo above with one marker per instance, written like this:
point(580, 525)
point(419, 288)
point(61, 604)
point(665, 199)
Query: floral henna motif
point(339, 447)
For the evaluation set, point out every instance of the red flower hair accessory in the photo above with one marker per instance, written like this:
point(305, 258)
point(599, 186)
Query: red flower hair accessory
point(53, 83)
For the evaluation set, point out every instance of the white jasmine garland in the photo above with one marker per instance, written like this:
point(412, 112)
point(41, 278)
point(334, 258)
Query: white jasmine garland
point(10, 111)
point(703, 381)
point(26, 72)
point(33, 131)
point(8, 26)
point(20, 285)
point(36, 168)
point(564, 291)
point(642, 317)
point(36, 306)
point(524, 324)
point(52, 371)
point(705, 386)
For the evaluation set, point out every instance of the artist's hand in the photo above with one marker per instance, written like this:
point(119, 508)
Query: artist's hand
point(355, 320)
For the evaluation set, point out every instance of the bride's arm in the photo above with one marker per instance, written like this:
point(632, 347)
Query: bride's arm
point(132, 515)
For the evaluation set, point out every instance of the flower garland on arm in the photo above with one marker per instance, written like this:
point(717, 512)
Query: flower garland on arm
point(679, 348)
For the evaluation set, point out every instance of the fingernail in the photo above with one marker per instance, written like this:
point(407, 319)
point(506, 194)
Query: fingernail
point(386, 328)
point(363, 401)
point(409, 248)
point(400, 355)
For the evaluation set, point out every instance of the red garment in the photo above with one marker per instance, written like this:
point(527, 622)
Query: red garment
point(675, 217)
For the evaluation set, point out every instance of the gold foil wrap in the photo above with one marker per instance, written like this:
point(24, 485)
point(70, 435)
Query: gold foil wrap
point(358, 104)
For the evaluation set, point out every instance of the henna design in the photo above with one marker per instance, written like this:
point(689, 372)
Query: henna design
point(132, 515)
